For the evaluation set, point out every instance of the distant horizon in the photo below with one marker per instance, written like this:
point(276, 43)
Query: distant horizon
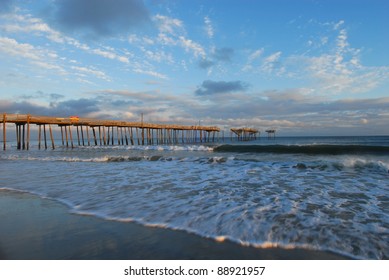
point(298, 66)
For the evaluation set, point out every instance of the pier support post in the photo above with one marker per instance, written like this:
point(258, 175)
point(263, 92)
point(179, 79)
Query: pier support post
point(131, 136)
point(71, 136)
point(108, 135)
point(23, 134)
point(113, 137)
point(87, 134)
point(63, 144)
point(104, 137)
point(28, 132)
point(94, 135)
point(18, 135)
point(39, 136)
point(78, 136)
point(51, 137)
point(4, 131)
point(100, 136)
point(67, 139)
point(82, 135)
point(44, 135)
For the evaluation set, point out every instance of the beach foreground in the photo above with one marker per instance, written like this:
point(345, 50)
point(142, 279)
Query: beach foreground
point(36, 228)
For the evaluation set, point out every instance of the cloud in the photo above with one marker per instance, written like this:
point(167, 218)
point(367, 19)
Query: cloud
point(82, 71)
point(255, 55)
point(41, 95)
point(292, 111)
point(28, 24)
point(98, 18)
point(332, 66)
point(205, 63)
point(212, 87)
point(168, 25)
point(151, 73)
point(271, 64)
point(340, 71)
point(192, 46)
point(218, 55)
point(110, 55)
point(172, 33)
point(223, 54)
point(80, 107)
point(208, 27)
point(44, 59)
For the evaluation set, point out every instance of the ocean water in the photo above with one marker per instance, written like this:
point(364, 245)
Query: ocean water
point(324, 193)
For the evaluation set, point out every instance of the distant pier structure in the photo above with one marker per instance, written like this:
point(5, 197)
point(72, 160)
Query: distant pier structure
point(245, 133)
point(86, 132)
point(271, 133)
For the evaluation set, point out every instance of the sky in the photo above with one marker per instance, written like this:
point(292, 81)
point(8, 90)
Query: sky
point(309, 67)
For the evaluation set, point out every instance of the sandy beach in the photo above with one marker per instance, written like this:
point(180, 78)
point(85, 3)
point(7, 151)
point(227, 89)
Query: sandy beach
point(36, 228)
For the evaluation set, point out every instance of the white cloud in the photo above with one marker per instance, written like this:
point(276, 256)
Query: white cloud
point(19, 50)
point(338, 24)
point(44, 59)
point(340, 70)
point(166, 40)
point(28, 24)
point(135, 39)
point(342, 40)
point(256, 54)
point(169, 25)
point(110, 55)
point(253, 56)
point(151, 73)
point(85, 70)
point(208, 27)
point(270, 64)
point(335, 74)
point(189, 45)
point(158, 56)
point(273, 57)
point(172, 33)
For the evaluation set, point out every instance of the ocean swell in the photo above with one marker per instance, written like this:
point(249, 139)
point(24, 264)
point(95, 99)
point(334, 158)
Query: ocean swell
point(306, 149)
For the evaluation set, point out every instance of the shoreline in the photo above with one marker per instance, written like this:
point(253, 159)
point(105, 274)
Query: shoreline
point(43, 229)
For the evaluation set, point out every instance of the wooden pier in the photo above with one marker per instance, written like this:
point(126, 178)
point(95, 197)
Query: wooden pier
point(102, 132)
point(271, 133)
point(245, 133)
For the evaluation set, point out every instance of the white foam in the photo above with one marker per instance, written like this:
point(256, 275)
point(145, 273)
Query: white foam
point(254, 200)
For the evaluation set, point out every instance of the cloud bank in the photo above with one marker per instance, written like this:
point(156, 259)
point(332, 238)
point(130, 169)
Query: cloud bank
point(209, 87)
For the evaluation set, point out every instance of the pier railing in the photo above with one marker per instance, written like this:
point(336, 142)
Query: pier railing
point(103, 132)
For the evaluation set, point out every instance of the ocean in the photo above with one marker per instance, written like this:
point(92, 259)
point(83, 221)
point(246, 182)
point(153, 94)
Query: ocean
point(319, 193)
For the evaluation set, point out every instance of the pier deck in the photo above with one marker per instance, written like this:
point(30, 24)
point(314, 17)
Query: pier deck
point(103, 132)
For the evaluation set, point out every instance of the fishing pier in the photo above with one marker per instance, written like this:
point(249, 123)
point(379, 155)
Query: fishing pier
point(86, 132)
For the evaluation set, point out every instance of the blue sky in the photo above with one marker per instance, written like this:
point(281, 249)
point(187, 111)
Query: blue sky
point(301, 67)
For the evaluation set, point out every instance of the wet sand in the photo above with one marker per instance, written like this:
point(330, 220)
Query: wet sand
point(36, 228)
